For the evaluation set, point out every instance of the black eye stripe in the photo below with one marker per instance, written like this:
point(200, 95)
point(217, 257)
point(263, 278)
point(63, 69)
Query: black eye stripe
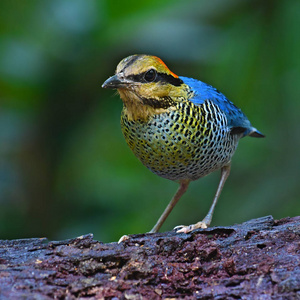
point(161, 78)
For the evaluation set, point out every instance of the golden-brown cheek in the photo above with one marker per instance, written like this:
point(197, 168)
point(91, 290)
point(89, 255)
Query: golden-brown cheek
point(153, 90)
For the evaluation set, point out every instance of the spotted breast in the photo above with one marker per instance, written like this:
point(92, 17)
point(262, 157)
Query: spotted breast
point(187, 142)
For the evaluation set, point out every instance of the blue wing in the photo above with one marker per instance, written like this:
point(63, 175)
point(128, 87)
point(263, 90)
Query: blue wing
point(237, 120)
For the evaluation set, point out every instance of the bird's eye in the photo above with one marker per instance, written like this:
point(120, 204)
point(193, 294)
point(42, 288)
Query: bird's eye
point(150, 75)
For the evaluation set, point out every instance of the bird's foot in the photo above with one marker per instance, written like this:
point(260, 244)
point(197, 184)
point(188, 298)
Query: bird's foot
point(123, 238)
point(189, 228)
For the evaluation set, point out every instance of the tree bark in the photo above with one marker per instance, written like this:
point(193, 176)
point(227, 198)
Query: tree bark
point(259, 259)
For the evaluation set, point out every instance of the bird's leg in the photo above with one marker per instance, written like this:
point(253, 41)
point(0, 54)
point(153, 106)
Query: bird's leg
point(181, 190)
point(225, 171)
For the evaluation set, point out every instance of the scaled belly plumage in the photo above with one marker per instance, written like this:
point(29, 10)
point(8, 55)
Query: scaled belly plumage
point(186, 143)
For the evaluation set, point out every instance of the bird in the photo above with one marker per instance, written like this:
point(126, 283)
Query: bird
point(180, 128)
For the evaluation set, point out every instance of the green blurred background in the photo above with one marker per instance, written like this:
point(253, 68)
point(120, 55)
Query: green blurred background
point(65, 169)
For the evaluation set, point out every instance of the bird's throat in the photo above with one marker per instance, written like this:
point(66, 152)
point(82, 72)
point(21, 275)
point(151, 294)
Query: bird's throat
point(136, 108)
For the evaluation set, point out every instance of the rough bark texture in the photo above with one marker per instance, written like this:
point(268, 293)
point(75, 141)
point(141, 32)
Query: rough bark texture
point(259, 259)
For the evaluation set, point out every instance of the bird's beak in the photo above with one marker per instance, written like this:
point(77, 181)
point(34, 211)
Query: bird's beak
point(115, 82)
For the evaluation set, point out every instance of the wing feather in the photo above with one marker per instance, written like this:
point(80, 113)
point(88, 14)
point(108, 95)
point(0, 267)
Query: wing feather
point(237, 120)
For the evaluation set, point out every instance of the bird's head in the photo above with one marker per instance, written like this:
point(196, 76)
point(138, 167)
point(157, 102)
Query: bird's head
point(146, 85)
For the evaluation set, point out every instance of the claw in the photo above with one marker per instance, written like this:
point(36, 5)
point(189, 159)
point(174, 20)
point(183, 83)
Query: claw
point(189, 228)
point(123, 238)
